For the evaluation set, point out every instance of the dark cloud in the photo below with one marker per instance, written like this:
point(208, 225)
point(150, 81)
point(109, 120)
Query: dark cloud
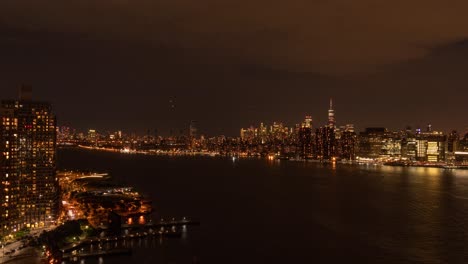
point(324, 36)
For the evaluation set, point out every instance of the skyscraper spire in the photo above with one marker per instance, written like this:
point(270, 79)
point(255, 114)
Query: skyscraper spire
point(331, 115)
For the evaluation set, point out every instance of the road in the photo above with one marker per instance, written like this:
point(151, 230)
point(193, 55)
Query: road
point(13, 253)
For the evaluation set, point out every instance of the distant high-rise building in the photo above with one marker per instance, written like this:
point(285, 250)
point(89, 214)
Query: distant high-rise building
point(464, 143)
point(372, 141)
point(118, 134)
point(64, 133)
point(431, 146)
point(347, 144)
point(325, 143)
point(308, 121)
point(248, 134)
point(305, 142)
point(331, 115)
point(29, 191)
point(305, 138)
point(409, 145)
point(92, 135)
point(349, 128)
point(453, 141)
point(193, 131)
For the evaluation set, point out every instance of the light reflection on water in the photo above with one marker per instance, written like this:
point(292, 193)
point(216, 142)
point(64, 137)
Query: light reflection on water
point(149, 242)
point(258, 211)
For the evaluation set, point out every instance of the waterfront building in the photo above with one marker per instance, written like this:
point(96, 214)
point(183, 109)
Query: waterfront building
point(431, 146)
point(409, 146)
point(325, 143)
point(347, 145)
point(460, 154)
point(29, 191)
point(92, 136)
point(391, 147)
point(305, 138)
point(371, 142)
point(461, 158)
point(453, 141)
point(378, 142)
point(463, 143)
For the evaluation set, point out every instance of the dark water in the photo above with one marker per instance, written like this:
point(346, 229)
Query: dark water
point(258, 211)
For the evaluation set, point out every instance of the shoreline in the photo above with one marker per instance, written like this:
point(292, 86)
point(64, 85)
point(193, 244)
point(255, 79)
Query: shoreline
point(237, 156)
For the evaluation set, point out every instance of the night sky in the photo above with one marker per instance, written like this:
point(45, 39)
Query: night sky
point(229, 64)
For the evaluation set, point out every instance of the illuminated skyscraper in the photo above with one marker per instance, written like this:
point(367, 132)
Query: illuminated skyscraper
point(308, 121)
point(305, 138)
point(29, 191)
point(331, 115)
point(347, 145)
point(325, 143)
point(92, 135)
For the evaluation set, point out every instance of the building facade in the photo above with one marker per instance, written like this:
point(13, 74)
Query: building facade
point(305, 139)
point(29, 193)
point(325, 143)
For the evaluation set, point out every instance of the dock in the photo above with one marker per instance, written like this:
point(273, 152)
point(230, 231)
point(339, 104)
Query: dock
point(165, 223)
point(109, 252)
point(110, 239)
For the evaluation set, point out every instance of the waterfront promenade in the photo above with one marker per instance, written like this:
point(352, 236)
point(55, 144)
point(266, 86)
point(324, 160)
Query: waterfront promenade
point(17, 251)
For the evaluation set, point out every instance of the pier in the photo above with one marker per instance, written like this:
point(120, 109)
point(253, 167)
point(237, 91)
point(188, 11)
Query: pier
point(164, 223)
point(110, 239)
point(109, 252)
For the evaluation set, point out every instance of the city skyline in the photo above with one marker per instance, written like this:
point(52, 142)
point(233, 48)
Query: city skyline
point(182, 127)
point(294, 131)
point(130, 62)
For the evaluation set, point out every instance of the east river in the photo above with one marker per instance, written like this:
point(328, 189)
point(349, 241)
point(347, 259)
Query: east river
point(260, 211)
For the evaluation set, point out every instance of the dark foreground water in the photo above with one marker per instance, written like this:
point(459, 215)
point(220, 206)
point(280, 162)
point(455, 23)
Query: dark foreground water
point(258, 211)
